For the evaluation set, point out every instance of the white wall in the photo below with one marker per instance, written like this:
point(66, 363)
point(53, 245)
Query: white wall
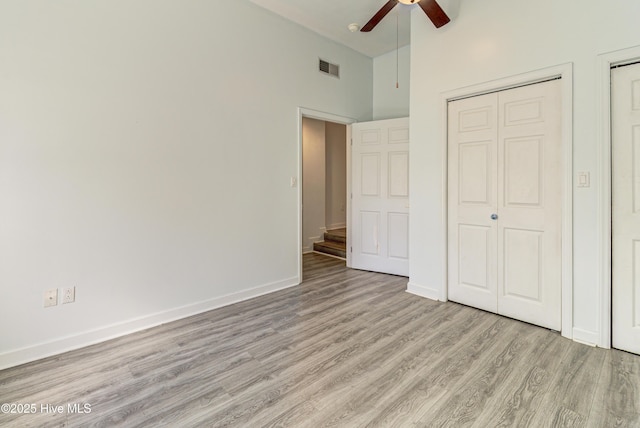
point(336, 175)
point(313, 182)
point(390, 102)
point(146, 150)
point(494, 39)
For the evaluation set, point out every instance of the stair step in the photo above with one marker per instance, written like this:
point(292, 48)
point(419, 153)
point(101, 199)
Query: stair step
point(329, 247)
point(336, 235)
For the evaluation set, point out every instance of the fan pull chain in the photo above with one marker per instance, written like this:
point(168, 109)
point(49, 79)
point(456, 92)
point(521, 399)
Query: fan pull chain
point(397, 49)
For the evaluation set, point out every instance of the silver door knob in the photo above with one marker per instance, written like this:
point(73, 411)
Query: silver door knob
point(494, 216)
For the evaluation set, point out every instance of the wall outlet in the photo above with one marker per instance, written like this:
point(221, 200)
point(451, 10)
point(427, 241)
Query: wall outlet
point(68, 295)
point(51, 297)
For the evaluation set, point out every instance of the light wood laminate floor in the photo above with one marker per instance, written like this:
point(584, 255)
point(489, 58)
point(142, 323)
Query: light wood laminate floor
point(346, 348)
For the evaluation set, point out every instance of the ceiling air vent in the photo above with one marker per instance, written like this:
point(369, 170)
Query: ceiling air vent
point(328, 68)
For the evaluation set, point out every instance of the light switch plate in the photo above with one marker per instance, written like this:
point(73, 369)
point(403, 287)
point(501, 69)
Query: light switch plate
point(584, 179)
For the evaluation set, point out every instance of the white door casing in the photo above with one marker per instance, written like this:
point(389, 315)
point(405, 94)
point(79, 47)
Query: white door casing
point(380, 196)
point(505, 203)
point(625, 130)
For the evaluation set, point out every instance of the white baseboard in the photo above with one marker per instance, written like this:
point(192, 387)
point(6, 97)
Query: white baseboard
point(585, 337)
point(310, 241)
point(69, 343)
point(329, 255)
point(422, 291)
point(337, 226)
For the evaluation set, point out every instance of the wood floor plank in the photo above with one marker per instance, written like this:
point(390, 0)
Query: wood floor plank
point(346, 348)
point(618, 393)
point(524, 390)
point(468, 401)
point(338, 364)
point(571, 395)
point(369, 397)
point(384, 364)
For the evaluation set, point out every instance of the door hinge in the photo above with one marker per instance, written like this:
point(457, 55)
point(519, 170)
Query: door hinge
point(351, 249)
point(352, 141)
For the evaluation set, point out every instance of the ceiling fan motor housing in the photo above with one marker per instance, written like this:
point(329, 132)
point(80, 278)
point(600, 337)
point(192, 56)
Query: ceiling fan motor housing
point(430, 7)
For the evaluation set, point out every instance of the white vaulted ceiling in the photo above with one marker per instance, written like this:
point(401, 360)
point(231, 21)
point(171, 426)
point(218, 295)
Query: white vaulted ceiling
point(331, 18)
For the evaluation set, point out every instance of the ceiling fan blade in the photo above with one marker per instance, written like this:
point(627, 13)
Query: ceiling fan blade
point(379, 15)
point(434, 12)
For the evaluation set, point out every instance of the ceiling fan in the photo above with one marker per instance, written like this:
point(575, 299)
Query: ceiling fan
point(430, 7)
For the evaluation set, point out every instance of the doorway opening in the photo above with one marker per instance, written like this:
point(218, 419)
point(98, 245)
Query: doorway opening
point(324, 179)
point(324, 187)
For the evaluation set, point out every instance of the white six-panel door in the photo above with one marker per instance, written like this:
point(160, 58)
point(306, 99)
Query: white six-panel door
point(473, 194)
point(380, 196)
point(625, 102)
point(505, 203)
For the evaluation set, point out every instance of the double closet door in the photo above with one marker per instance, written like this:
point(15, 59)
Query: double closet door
point(504, 203)
point(625, 127)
